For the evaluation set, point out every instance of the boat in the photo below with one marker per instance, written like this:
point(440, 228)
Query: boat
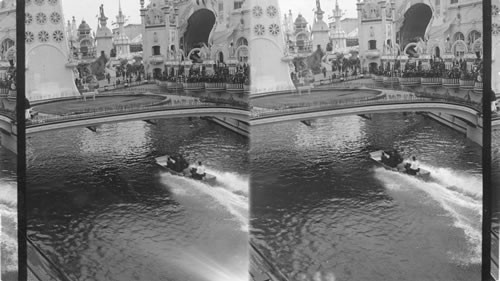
point(162, 162)
point(377, 157)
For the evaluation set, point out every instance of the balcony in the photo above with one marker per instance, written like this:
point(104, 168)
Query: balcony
point(372, 54)
point(156, 59)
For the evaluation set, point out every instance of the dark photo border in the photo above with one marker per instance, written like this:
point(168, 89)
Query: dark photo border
point(21, 140)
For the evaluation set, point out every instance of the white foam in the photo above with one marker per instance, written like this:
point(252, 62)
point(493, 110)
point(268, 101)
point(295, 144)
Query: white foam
point(8, 212)
point(208, 269)
point(227, 194)
point(8, 193)
point(462, 201)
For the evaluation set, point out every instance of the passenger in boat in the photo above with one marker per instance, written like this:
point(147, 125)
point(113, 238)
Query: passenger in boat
point(198, 172)
point(384, 158)
point(171, 163)
point(412, 167)
point(398, 159)
point(183, 163)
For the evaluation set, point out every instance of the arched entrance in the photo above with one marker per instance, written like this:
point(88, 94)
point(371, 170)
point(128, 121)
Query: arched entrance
point(416, 20)
point(200, 24)
point(157, 73)
point(242, 53)
point(5, 46)
point(437, 52)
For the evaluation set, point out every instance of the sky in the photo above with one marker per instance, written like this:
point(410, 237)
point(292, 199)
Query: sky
point(306, 7)
point(89, 9)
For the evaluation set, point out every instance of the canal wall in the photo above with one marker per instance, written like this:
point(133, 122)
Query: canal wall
point(8, 141)
point(237, 126)
point(475, 134)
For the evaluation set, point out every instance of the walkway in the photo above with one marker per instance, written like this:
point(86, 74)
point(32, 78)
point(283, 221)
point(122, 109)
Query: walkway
point(355, 97)
point(130, 112)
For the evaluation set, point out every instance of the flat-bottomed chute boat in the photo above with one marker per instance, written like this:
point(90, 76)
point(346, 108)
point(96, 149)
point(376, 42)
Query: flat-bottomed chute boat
point(187, 173)
point(421, 174)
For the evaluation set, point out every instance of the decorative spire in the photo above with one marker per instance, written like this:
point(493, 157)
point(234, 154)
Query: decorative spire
point(102, 18)
point(120, 19)
point(319, 13)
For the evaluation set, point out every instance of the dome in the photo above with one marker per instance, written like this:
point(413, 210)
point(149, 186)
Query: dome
point(300, 20)
point(320, 25)
point(83, 26)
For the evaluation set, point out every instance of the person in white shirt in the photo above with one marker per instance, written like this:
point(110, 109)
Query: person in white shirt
point(414, 166)
point(200, 169)
point(198, 172)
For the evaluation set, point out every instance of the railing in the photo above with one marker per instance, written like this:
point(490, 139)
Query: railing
point(124, 85)
point(41, 267)
point(125, 109)
point(494, 255)
point(261, 265)
point(286, 109)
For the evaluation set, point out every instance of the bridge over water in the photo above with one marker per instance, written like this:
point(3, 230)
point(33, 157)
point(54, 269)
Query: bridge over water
point(124, 113)
point(290, 106)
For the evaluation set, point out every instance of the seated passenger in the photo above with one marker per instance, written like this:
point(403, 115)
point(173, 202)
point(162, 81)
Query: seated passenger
point(413, 168)
point(384, 158)
point(198, 172)
point(398, 159)
point(171, 163)
point(183, 163)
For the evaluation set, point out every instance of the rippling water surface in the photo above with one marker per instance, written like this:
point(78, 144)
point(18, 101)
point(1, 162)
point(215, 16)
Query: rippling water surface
point(100, 208)
point(322, 210)
point(8, 214)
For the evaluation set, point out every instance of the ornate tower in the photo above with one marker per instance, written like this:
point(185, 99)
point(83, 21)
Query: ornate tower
point(49, 71)
point(155, 35)
point(338, 35)
point(320, 30)
point(104, 36)
point(122, 42)
point(270, 69)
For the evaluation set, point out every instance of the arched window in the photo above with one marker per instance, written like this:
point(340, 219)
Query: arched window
point(242, 41)
point(156, 50)
point(458, 36)
point(472, 37)
point(6, 45)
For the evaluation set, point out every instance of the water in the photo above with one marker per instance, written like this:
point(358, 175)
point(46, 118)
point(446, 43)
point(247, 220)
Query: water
point(101, 209)
point(322, 210)
point(8, 214)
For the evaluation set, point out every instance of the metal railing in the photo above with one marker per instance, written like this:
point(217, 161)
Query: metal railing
point(125, 109)
point(305, 107)
point(260, 264)
point(494, 255)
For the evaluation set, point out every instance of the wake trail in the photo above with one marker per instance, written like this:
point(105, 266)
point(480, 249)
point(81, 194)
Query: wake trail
point(458, 193)
point(230, 191)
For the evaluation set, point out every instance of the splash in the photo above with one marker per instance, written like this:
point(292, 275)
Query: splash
point(234, 182)
point(229, 191)
point(466, 184)
point(8, 236)
point(207, 269)
point(458, 193)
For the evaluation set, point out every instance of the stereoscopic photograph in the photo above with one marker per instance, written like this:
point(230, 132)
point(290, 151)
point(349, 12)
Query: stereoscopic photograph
point(8, 143)
point(366, 123)
point(137, 140)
